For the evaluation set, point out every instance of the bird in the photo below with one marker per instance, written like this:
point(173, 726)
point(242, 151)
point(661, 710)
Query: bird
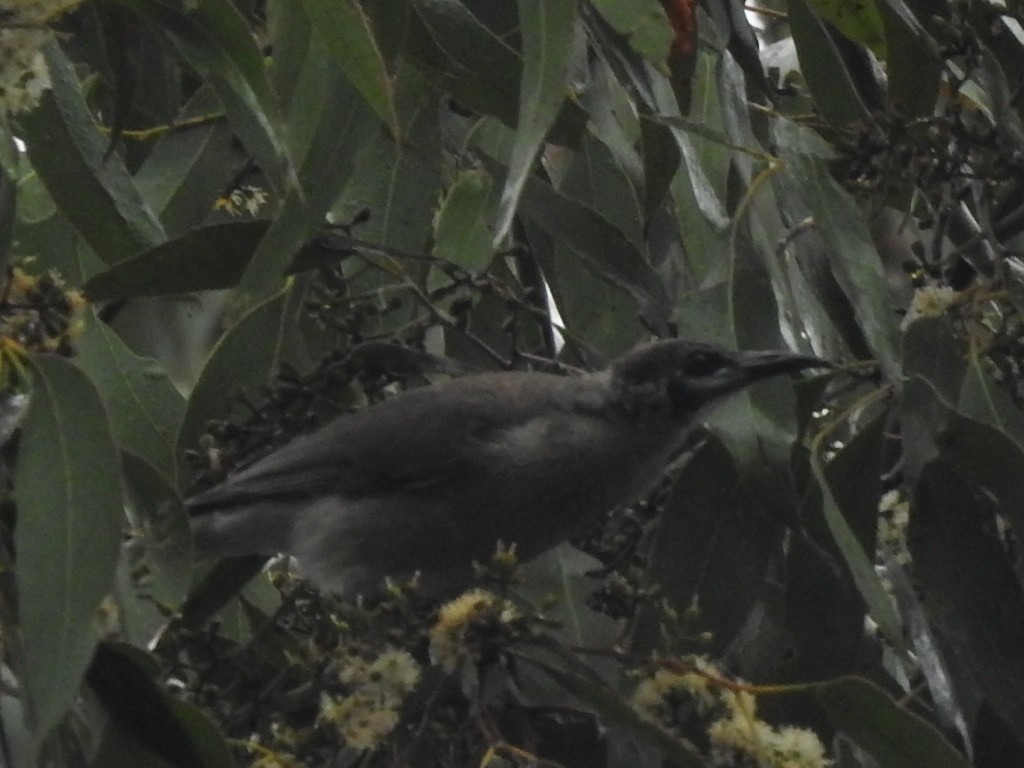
point(429, 481)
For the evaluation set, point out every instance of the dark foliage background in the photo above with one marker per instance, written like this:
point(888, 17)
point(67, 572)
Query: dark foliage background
point(232, 220)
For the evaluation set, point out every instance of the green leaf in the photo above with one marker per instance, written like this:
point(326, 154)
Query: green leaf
point(155, 570)
point(462, 232)
point(95, 193)
point(148, 727)
point(859, 20)
point(616, 711)
point(858, 560)
point(68, 491)
point(824, 615)
point(599, 179)
point(245, 359)
point(338, 124)
point(346, 30)
point(711, 548)
point(189, 168)
point(895, 737)
point(202, 259)
point(548, 31)
point(464, 57)
point(967, 583)
point(855, 261)
point(566, 575)
point(982, 399)
point(932, 352)
point(604, 248)
point(600, 313)
point(215, 39)
point(145, 409)
point(643, 23)
point(913, 64)
point(823, 68)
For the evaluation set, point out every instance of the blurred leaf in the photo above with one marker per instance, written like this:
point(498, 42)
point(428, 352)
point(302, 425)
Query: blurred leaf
point(462, 230)
point(601, 315)
point(859, 555)
point(606, 251)
point(859, 21)
point(981, 399)
point(661, 161)
point(644, 25)
point(711, 549)
point(989, 457)
point(67, 150)
point(824, 69)
point(617, 712)
point(145, 409)
point(597, 178)
point(346, 30)
point(913, 63)
point(215, 39)
point(477, 66)
point(548, 31)
point(824, 611)
point(758, 425)
point(564, 574)
point(968, 585)
point(855, 262)
point(324, 100)
point(932, 351)
point(148, 727)
point(200, 260)
point(19, 746)
point(155, 570)
point(190, 166)
point(245, 359)
point(33, 202)
point(67, 488)
point(895, 737)
point(9, 191)
point(216, 588)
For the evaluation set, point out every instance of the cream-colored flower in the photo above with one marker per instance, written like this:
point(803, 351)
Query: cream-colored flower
point(448, 646)
point(798, 748)
point(379, 686)
point(652, 697)
point(23, 71)
point(767, 747)
point(929, 301)
point(360, 719)
point(396, 670)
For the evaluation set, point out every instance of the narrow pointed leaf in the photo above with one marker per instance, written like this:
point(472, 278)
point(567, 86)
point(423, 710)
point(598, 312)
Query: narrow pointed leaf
point(67, 488)
point(548, 31)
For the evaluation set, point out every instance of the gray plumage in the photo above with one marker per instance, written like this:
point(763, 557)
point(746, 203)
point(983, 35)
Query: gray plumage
point(431, 479)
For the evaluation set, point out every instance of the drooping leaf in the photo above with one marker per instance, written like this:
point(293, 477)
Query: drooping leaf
point(832, 85)
point(463, 229)
point(643, 23)
point(244, 360)
point(96, 194)
point(548, 31)
point(215, 39)
point(67, 488)
point(895, 737)
point(968, 584)
point(345, 28)
point(855, 261)
point(145, 409)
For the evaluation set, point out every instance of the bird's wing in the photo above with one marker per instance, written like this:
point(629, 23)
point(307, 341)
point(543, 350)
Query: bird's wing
point(423, 439)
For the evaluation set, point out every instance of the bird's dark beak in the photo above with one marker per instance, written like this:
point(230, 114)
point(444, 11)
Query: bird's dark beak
point(762, 365)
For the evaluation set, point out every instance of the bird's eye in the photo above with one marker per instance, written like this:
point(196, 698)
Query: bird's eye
point(698, 364)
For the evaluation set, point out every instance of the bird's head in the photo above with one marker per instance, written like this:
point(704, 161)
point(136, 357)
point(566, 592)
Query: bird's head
point(690, 375)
